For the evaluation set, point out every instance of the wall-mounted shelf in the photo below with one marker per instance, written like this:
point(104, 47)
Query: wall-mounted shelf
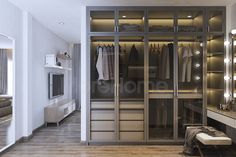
point(63, 56)
point(57, 67)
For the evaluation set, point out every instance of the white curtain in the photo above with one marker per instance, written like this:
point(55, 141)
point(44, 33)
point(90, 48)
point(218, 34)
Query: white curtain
point(3, 71)
point(76, 74)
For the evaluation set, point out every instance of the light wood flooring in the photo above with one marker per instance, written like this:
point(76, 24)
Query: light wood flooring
point(64, 141)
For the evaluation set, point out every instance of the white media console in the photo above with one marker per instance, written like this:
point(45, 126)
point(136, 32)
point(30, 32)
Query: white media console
point(56, 112)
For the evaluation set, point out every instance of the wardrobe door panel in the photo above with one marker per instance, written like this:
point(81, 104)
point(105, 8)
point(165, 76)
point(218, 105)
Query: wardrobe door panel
point(161, 21)
point(190, 20)
point(131, 20)
point(161, 64)
point(131, 68)
point(161, 119)
point(216, 20)
point(102, 65)
point(190, 64)
point(190, 113)
point(102, 21)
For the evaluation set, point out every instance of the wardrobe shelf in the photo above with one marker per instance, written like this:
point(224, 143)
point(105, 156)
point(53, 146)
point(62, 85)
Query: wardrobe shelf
point(57, 67)
point(215, 89)
point(215, 71)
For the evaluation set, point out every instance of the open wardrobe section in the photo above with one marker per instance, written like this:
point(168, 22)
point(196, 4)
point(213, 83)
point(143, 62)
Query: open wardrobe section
point(153, 71)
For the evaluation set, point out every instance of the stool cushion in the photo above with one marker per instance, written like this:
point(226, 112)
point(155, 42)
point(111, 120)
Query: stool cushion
point(210, 140)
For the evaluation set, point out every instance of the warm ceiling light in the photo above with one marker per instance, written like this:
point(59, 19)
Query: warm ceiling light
point(189, 16)
point(124, 16)
point(61, 23)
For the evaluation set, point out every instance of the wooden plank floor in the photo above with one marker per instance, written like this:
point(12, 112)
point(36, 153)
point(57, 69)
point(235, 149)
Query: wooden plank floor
point(64, 141)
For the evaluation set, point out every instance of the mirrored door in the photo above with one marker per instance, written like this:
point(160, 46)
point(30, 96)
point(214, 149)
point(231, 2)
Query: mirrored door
point(7, 121)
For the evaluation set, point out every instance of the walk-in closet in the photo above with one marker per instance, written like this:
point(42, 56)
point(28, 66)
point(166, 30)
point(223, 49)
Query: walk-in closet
point(153, 71)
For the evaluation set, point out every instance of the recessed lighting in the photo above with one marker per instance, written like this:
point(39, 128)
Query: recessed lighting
point(226, 43)
point(197, 78)
point(197, 65)
point(124, 16)
point(197, 52)
point(226, 78)
point(189, 16)
point(61, 23)
point(226, 95)
point(227, 60)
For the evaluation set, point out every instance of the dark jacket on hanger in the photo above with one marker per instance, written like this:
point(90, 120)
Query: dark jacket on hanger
point(133, 56)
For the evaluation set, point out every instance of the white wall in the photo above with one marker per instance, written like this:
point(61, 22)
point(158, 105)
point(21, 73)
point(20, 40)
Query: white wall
point(31, 42)
point(84, 69)
point(11, 25)
point(44, 42)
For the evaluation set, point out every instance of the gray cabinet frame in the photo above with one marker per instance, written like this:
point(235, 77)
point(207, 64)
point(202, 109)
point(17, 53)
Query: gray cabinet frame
point(146, 34)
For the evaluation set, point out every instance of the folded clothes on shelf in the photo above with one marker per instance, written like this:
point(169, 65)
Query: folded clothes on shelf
point(159, 28)
point(187, 28)
point(130, 27)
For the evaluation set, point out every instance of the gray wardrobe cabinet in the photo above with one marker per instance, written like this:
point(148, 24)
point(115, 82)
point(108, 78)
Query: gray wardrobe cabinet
point(153, 71)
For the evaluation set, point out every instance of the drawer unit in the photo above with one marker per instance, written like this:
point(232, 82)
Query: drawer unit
point(131, 136)
point(132, 105)
point(102, 105)
point(131, 126)
point(132, 115)
point(102, 126)
point(102, 136)
point(102, 115)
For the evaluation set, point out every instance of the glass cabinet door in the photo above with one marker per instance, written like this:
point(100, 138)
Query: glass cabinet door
point(190, 21)
point(189, 114)
point(215, 20)
point(131, 67)
point(102, 68)
point(161, 64)
point(190, 64)
point(131, 21)
point(102, 21)
point(161, 124)
point(161, 21)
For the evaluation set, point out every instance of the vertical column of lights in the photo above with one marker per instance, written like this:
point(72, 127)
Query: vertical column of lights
point(227, 78)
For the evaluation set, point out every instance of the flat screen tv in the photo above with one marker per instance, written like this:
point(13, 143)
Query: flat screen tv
point(55, 85)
